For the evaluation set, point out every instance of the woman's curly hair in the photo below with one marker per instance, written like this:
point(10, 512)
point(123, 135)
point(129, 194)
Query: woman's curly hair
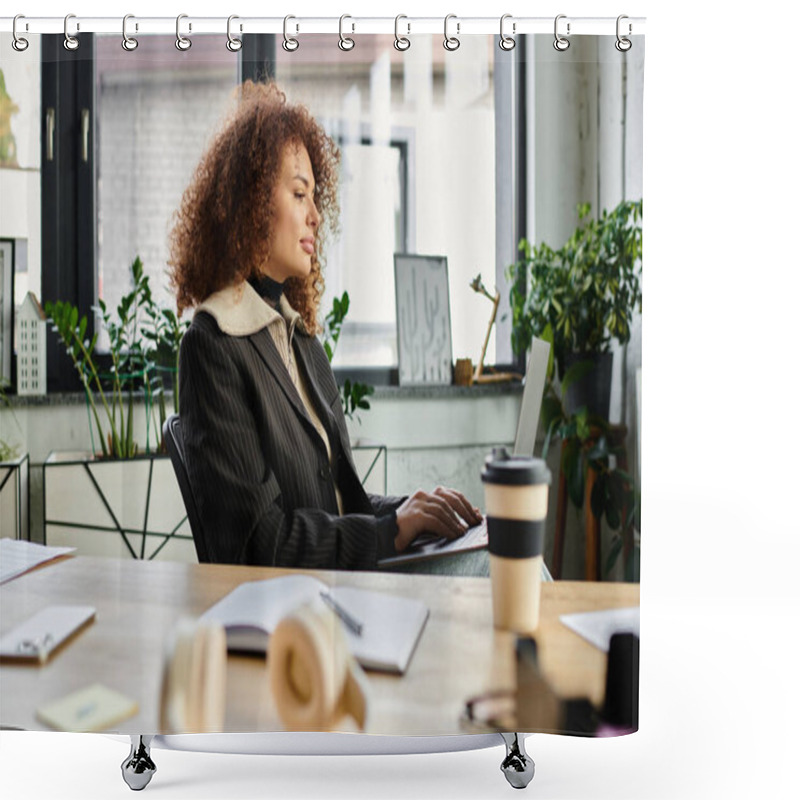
point(222, 232)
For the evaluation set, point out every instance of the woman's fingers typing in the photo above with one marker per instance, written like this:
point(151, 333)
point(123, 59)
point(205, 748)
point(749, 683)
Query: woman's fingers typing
point(444, 512)
point(462, 506)
point(439, 509)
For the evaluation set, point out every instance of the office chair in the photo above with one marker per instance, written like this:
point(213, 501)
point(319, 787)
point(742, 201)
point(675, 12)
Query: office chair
point(173, 438)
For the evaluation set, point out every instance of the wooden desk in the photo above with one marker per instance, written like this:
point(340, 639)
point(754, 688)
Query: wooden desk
point(459, 654)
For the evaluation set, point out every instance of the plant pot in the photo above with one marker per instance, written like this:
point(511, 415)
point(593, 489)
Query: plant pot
point(15, 497)
point(593, 389)
point(123, 508)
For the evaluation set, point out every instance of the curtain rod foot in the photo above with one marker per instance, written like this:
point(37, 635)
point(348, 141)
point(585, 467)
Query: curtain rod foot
point(138, 768)
point(517, 766)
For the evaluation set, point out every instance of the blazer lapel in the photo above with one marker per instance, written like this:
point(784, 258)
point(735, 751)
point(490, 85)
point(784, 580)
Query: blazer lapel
point(265, 346)
point(312, 384)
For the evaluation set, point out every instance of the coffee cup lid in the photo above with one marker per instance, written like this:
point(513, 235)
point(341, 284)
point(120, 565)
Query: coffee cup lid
point(503, 468)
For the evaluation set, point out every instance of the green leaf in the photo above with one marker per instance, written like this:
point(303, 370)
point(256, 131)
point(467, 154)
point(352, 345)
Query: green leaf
point(579, 370)
point(552, 411)
point(582, 428)
point(572, 467)
point(598, 498)
point(547, 336)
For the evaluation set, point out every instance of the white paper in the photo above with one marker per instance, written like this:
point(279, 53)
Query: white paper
point(597, 627)
point(18, 556)
point(391, 625)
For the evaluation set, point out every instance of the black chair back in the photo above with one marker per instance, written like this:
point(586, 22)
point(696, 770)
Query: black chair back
point(173, 438)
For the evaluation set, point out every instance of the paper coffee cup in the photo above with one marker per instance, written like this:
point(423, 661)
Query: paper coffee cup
point(516, 490)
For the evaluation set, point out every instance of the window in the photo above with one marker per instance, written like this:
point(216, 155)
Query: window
point(156, 109)
point(414, 128)
point(417, 133)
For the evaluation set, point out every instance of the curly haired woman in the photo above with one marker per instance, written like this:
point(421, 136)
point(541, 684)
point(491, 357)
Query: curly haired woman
point(266, 444)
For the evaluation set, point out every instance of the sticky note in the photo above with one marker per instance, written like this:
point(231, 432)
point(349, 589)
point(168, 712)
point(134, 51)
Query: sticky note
point(94, 708)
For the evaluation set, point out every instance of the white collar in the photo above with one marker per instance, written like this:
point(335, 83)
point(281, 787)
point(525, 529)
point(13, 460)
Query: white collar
point(240, 311)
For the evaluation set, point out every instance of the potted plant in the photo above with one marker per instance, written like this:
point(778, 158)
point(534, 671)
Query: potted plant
point(163, 332)
point(119, 487)
point(115, 389)
point(581, 298)
point(589, 443)
point(587, 292)
point(354, 396)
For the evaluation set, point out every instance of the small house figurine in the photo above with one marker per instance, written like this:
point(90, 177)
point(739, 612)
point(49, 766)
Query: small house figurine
point(31, 347)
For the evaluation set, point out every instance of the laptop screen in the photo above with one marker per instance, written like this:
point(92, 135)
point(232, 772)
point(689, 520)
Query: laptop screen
point(532, 398)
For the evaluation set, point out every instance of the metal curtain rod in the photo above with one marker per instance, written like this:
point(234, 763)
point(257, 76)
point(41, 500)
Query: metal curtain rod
point(461, 26)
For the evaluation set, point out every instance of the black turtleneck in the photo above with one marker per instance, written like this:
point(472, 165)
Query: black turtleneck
point(268, 288)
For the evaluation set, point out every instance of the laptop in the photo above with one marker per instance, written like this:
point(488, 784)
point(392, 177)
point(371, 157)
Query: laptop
point(431, 545)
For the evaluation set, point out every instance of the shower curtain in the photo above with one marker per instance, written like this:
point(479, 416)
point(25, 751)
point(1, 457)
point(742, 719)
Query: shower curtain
point(497, 157)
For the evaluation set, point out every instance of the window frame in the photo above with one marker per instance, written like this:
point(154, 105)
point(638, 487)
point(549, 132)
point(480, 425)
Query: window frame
point(69, 188)
point(68, 192)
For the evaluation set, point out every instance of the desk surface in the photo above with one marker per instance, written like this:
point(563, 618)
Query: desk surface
point(458, 656)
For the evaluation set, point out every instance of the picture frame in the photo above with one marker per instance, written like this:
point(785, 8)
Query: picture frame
point(424, 335)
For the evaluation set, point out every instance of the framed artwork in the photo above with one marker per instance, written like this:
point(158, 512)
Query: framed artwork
point(7, 307)
point(424, 339)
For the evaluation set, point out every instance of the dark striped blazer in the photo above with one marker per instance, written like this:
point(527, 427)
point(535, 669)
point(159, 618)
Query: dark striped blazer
point(257, 466)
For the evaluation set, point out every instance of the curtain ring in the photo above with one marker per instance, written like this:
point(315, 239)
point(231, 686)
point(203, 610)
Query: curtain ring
point(290, 44)
point(451, 42)
point(19, 43)
point(506, 42)
point(345, 42)
point(128, 42)
point(560, 43)
point(401, 43)
point(181, 42)
point(70, 42)
point(622, 44)
point(233, 44)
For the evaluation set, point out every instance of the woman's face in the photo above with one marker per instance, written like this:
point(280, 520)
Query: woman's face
point(296, 219)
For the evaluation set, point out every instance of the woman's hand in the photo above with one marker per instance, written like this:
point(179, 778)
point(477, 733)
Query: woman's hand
point(445, 512)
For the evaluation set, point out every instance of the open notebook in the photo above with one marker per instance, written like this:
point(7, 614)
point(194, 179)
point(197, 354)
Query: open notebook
point(390, 626)
point(428, 545)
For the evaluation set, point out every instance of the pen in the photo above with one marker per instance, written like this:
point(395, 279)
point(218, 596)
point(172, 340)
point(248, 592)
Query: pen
point(348, 620)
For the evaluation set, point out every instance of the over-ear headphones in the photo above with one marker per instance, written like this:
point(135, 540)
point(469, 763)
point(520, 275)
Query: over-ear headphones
point(194, 679)
point(314, 680)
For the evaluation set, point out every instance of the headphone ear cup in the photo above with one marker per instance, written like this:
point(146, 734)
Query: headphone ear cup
point(311, 672)
point(208, 680)
point(194, 679)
